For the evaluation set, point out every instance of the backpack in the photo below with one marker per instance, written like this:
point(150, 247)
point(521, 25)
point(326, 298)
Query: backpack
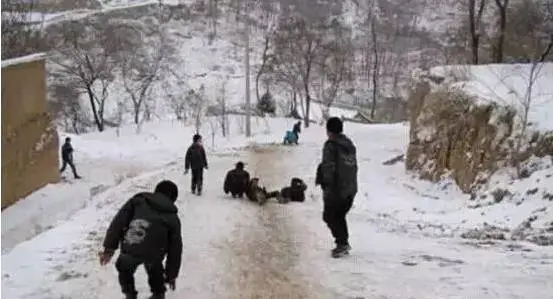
point(346, 172)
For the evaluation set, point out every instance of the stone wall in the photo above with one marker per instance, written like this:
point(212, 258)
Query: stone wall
point(29, 140)
point(451, 134)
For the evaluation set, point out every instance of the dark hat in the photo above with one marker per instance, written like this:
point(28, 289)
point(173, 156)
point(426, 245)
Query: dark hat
point(67, 139)
point(240, 165)
point(168, 189)
point(196, 137)
point(334, 125)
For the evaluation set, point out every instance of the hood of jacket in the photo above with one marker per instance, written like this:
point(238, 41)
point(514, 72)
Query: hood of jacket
point(160, 202)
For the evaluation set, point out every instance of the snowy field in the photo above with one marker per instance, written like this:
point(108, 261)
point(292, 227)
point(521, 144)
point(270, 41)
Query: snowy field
point(406, 234)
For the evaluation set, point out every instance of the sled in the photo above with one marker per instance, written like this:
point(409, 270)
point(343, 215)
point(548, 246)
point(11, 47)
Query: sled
point(290, 138)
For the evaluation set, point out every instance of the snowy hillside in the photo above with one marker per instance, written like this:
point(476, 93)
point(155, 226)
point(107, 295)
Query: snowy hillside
point(521, 86)
point(403, 231)
point(220, 62)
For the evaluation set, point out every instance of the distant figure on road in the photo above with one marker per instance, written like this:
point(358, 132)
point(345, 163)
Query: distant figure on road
point(290, 138)
point(297, 130)
point(236, 181)
point(197, 160)
point(67, 157)
point(148, 229)
point(294, 192)
point(337, 175)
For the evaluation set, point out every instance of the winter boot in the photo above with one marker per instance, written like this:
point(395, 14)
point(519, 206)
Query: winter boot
point(340, 251)
point(158, 296)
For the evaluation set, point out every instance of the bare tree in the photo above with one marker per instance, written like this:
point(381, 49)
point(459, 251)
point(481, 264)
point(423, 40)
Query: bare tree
point(65, 106)
point(502, 6)
point(527, 103)
point(529, 34)
point(376, 64)
point(213, 15)
point(222, 103)
point(264, 65)
point(119, 116)
point(140, 71)
point(21, 29)
point(85, 52)
point(297, 47)
point(335, 63)
point(266, 24)
point(476, 10)
point(176, 89)
point(198, 104)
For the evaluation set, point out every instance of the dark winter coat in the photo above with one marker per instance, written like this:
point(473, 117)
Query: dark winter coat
point(338, 169)
point(236, 181)
point(67, 152)
point(148, 228)
point(195, 157)
point(297, 128)
point(294, 192)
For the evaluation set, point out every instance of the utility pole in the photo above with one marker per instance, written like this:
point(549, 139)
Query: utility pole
point(247, 62)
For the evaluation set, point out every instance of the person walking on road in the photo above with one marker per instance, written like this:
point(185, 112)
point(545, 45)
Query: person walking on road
point(196, 160)
point(337, 175)
point(148, 229)
point(67, 157)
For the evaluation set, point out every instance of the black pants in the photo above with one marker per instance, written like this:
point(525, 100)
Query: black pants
point(126, 265)
point(334, 215)
point(70, 163)
point(197, 179)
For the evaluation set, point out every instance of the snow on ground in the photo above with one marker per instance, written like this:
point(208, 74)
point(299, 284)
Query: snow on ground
point(508, 84)
point(316, 111)
point(105, 160)
point(406, 234)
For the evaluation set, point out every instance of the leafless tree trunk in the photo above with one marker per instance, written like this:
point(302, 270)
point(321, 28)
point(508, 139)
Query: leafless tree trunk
point(376, 61)
point(502, 10)
point(334, 64)
point(119, 116)
point(85, 53)
point(247, 67)
point(213, 14)
point(199, 107)
point(547, 51)
point(298, 46)
point(65, 105)
point(223, 117)
point(526, 103)
point(475, 24)
point(264, 60)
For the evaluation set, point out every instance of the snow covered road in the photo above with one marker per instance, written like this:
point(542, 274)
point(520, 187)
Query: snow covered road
point(404, 235)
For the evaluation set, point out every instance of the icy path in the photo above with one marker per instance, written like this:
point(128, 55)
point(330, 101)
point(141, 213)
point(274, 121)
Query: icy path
point(235, 249)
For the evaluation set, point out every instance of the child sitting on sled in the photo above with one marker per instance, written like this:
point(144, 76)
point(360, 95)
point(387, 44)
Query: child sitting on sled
point(290, 138)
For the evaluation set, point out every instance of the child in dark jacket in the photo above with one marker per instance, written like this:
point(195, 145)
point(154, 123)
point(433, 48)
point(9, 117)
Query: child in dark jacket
point(236, 181)
point(147, 229)
point(294, 192)
point(196, 160)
